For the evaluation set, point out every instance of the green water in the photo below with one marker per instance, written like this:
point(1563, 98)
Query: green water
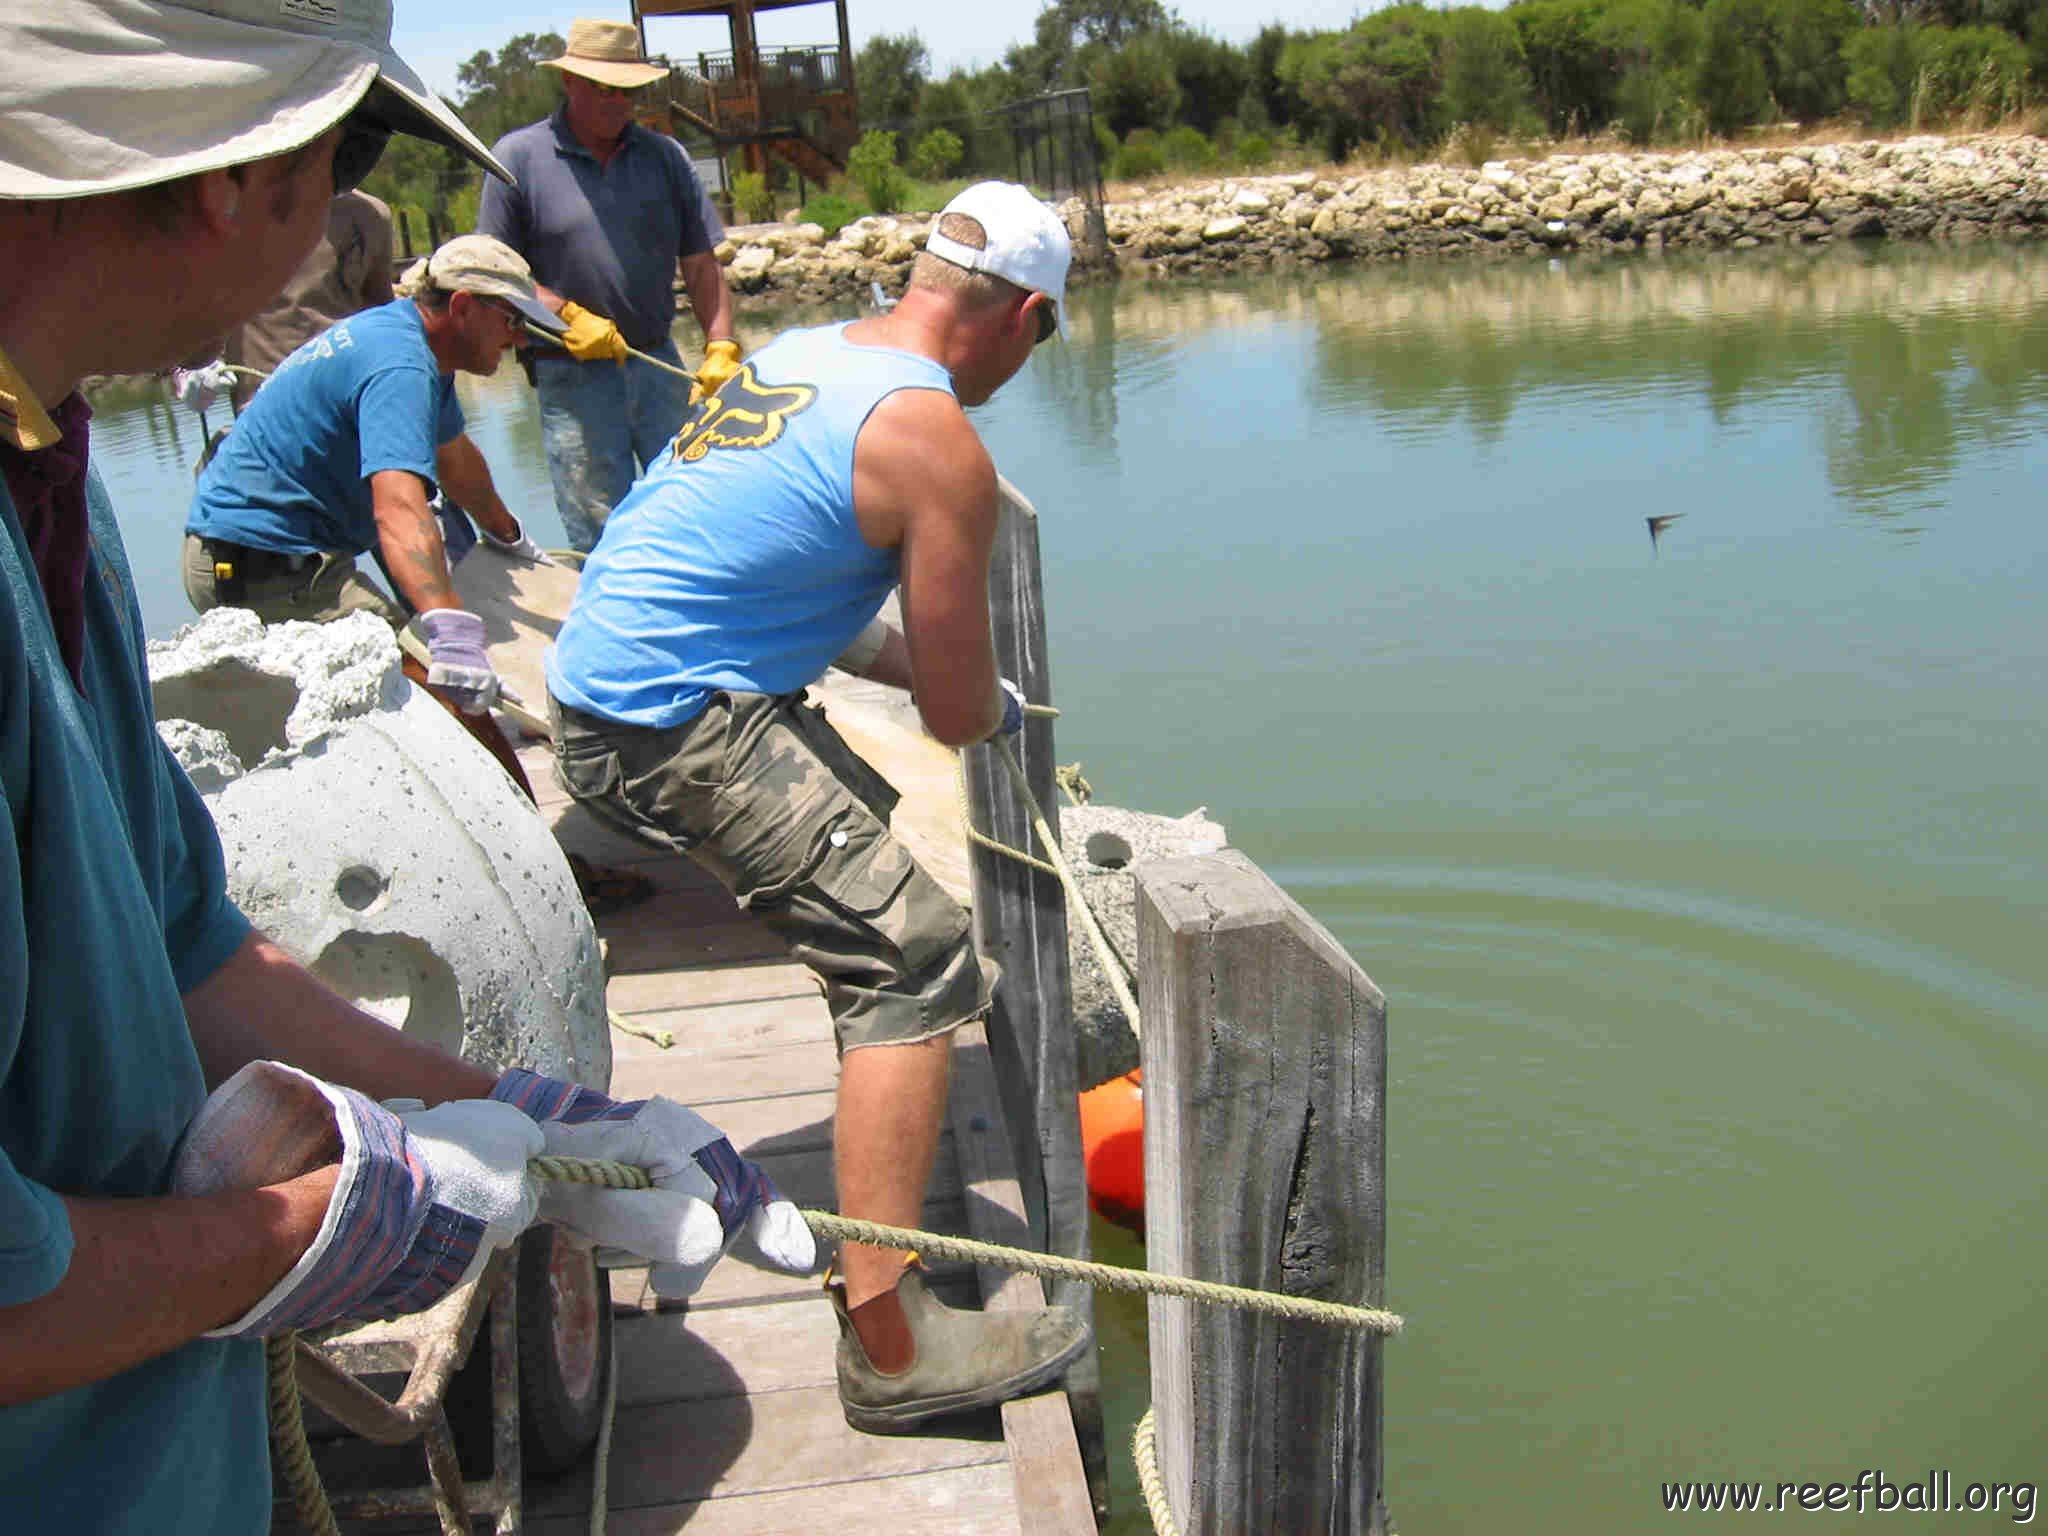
point(1705, 877)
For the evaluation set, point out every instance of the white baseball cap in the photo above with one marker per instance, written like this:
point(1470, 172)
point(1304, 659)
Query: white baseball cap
point(106, 95)
point(1026, 243)
point(488, 267)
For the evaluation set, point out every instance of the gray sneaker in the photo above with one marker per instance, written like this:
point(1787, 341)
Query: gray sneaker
point(964, 1359)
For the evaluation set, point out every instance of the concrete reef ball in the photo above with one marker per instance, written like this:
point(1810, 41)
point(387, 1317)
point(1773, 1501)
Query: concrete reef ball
point(368, 835)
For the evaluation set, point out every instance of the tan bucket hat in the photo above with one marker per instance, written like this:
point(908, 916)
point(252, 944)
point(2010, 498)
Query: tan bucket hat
point(607, 52)
point(106, 95)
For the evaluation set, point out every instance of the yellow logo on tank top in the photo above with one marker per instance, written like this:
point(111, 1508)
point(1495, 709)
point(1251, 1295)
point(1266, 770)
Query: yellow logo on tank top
point(745, 413)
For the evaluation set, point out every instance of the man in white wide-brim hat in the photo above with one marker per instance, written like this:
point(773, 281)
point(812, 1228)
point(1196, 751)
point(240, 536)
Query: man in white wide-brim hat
point(164, 166)
point(607, 213)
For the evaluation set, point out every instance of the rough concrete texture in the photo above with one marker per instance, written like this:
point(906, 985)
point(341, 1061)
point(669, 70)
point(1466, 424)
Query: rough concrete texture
point(1105, 845)
point(372, 838)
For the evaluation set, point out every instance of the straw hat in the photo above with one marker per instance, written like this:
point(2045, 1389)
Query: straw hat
point(607, 52)
point(106, 95)
point(486, 266)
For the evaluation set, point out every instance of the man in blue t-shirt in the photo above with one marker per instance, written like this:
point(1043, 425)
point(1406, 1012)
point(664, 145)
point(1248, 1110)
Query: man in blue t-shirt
point(193, 1154)
point(608, 214)
point(339, 454)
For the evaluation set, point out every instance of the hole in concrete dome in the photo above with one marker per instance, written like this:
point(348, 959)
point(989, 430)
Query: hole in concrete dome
point(399, 979)
point(246, 706)
point(1106, 850)
point(359, 887)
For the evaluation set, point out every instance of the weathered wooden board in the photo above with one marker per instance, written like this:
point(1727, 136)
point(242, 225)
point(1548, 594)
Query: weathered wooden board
point(1265, 1164)
point(964, 1501)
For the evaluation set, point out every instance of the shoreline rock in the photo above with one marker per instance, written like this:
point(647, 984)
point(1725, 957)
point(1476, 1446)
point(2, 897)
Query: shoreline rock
point(1925, 188)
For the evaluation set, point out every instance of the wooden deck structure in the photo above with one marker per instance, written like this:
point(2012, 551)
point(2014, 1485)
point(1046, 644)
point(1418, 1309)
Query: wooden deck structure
point(729, 1421)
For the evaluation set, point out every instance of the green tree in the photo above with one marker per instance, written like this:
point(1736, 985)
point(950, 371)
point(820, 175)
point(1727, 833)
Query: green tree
point(934, 155)
point(890, 72)
point(872, 165)
point(1734, 88)
point(1381, 79)
point(1485, 79)
point(1211, 74)
point(1134, 86)
point(1571, 71)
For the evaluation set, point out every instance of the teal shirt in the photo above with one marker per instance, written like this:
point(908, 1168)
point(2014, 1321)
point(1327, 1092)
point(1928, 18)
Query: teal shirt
point(113, 902)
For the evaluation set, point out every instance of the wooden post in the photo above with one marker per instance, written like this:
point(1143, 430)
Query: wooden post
point(1265, 1063)
point(1020, 921)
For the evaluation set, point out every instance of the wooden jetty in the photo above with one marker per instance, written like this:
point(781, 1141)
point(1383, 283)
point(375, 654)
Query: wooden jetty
point(1264, 1052)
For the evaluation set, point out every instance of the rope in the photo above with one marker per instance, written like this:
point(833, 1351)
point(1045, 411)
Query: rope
point(1145, 1452)
point(1107, 1277)
point(288, 1436)
point(681, 373)
point(1105, 953)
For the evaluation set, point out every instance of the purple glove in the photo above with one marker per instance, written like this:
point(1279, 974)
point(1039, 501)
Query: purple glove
point(456, 659)
point(705, 1194)
point(424, 1197)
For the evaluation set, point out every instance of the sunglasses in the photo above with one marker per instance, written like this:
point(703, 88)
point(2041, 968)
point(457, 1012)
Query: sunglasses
point(363, 139)
point(1048, 322)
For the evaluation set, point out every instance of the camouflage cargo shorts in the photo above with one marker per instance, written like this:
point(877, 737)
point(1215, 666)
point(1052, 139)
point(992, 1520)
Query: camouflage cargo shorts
point(763, 793)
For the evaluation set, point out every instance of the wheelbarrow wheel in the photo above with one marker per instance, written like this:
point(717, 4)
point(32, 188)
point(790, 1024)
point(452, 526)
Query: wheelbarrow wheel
point(565, 1350)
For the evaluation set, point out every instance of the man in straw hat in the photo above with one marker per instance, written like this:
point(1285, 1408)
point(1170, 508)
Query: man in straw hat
point(164, 164)
point(607, 213)
point(835, 465)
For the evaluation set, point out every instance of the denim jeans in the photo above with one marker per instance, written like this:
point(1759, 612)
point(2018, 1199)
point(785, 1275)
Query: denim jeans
point(602, 424)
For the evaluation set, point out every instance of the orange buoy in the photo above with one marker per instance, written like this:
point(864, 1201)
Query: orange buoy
point(1113, 1149)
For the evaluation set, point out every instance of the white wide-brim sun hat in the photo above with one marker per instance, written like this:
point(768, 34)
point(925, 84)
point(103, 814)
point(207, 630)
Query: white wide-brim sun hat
point(103, 96)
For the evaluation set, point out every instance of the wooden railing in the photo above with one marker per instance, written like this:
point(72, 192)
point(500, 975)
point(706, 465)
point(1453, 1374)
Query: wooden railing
point(1265, 1057)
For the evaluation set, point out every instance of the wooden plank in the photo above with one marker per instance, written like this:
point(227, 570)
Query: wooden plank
point(756, 981)
point(639, 939)
point(730, 1027)
point(756, 1073)
point(961, 1501)
point(774, 1347)
point(778, 1442)
point(1051, 1483)
point(1265, 1163)
point(1020, 919)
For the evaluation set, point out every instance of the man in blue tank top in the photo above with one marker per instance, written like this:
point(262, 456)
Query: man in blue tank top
point(836, 465)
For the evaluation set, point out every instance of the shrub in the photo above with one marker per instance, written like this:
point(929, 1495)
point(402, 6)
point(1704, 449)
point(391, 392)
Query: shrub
point(1186, 149)
point(872, 165)
point(1254, 150)
point(936, 154)
point(751, 198)
point(1469, 144)
point(831, 212)
point(1139, 157)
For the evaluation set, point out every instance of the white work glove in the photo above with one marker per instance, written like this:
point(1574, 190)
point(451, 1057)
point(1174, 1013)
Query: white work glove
point(521, 548)
point(424, 1198)
point(705, 1194)
point(1013, 707)
point(456, 659)
point(197, 387)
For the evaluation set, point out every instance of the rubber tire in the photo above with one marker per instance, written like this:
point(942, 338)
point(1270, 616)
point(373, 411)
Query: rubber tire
point(557, 1425)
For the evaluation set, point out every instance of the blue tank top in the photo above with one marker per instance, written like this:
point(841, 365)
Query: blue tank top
point(736, 562)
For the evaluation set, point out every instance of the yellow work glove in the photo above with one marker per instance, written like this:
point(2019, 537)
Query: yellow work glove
point(591, 338)
point(721, 362)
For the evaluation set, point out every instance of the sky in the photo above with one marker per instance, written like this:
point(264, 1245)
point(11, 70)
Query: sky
point(434, 36)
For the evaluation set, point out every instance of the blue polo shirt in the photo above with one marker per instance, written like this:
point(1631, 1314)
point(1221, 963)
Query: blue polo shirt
point(607, 236)
point(294, 474)
point(113, 903)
